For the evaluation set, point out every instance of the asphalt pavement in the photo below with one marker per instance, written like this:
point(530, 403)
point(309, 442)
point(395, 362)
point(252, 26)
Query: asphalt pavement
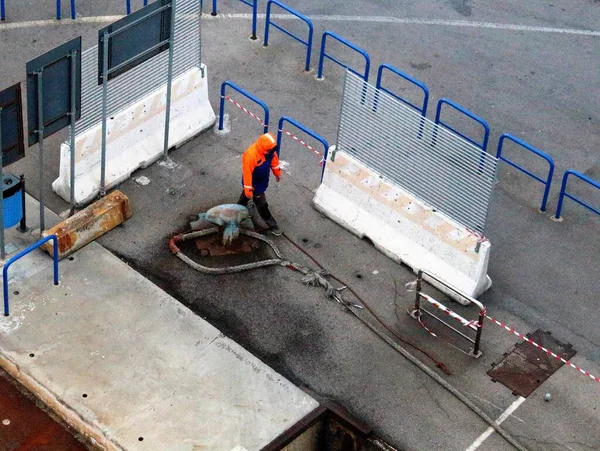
point(529, 70)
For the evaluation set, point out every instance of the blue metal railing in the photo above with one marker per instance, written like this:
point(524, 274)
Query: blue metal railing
point(23, 253)
point(58, 9)
point(338, 38)
point(245, 94)
point(309, 132)
point(456, 106)
point(422, 109)
point(128, 5)
point(302, 17)
point(563, 192)
point(547, 182)
point(253, 4)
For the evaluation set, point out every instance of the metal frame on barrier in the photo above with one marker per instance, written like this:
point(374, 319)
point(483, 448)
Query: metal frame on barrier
point(58, 8)
point(302, 17)
point(106, 72)
point(532, 149)
point(474, 325)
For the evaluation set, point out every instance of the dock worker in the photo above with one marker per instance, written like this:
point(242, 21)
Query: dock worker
point(257, 163)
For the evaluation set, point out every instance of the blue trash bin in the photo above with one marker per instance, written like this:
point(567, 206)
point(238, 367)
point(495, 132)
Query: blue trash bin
point(12, 189)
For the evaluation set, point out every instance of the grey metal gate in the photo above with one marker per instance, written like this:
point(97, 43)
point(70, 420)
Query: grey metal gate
point(427, 160)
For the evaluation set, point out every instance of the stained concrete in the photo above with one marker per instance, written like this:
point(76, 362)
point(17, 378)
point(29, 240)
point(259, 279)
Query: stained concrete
point(129, 366)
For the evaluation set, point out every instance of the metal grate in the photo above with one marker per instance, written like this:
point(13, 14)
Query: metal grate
point(429, 161)
point(145, 78)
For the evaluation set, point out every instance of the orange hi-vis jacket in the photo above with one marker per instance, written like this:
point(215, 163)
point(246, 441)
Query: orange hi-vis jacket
point(257, 162)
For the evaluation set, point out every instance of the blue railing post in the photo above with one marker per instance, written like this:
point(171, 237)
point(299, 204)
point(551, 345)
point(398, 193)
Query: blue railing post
point(2, 10)
point(306, 20)
point(73, 9)
point(23, 253)
point(308, 132)
point(347, 43)
point(532, 149)
point(245, 94)
point(456, 106)
point(563, 192)
point(214, 8)
point(58, 9)
point(414, 81)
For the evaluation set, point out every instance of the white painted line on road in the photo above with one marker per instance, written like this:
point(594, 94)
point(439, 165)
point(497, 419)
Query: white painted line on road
point(416, 21)
point(51, 22)
point(326, 18)
point(514, 406)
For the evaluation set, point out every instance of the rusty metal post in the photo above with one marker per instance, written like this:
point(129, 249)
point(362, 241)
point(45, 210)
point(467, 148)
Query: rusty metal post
point(479, 330)
point(418, 291)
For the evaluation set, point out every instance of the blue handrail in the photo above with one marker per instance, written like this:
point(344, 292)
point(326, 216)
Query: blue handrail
point(308, 132)
point(2, 10)
point(302, 17)
point(128, 5)
point(245, 94)
point(547, 182)
point(347, 43)
point(456, 106)
point(563, 192)
point(58, 8)
point(414, 81)
point(22, 254)
point(253, 4)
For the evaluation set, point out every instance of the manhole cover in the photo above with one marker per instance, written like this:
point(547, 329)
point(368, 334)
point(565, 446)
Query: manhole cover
point(211, 245)
point(527, 367)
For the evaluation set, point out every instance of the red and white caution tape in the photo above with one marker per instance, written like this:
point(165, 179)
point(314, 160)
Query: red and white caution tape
point(290, 134)
point(471, 324)
point(248, 112)
point(547, 351)
point(312, 149)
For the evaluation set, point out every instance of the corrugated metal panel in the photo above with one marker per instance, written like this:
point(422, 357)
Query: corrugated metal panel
point(429, 161)
point(145, 78)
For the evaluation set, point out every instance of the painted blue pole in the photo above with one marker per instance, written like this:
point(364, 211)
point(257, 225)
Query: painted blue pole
point(73, 14)
point(58, 9)
point(23, 253)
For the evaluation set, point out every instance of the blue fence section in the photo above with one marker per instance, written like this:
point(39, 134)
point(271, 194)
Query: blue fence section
point(547, 181)
point(563, 191)
point(253, 4)
point(309, 132)
point(2, 10)
point(58, 8)
point(245, 94)
point(128, 5)
point(338, 38)
point(306, 20)
point(423, 108)
point(23, 253)
point(486, 135)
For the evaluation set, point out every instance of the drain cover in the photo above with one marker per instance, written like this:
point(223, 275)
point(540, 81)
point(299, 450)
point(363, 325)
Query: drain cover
point(527, 367)
point(211, 245)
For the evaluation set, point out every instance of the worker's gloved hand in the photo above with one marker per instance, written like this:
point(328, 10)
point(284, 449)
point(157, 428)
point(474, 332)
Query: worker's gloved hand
point(277, 177)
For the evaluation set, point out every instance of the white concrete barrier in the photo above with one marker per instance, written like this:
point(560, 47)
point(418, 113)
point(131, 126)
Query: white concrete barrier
point(135, 136)
point(403, 227)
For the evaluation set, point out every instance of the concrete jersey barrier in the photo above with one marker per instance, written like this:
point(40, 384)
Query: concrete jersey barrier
point(135, 136)
point(403, 227)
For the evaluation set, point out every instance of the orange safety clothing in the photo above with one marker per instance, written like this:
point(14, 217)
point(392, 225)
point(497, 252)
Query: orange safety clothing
point(257, 162)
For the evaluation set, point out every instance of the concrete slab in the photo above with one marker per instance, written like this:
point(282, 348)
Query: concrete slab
point(130, 367)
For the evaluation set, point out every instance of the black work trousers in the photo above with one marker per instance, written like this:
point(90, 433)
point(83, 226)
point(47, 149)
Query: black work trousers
point(260, 200)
